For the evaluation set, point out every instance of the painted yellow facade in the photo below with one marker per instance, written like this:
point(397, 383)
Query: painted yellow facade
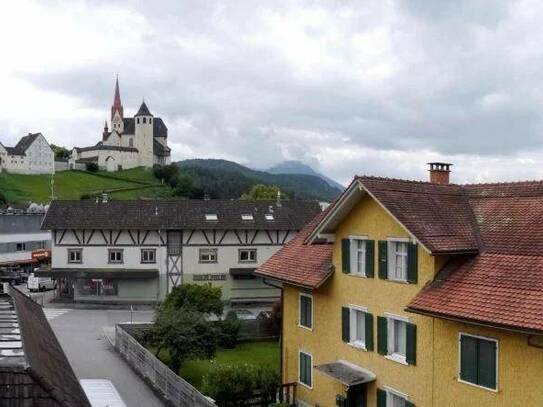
point(433, 380)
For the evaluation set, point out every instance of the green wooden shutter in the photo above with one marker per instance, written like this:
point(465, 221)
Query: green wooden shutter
point(341, 401)
point(486, 372)
point(383, 259)
point(468, 359)
point(369, 331)
point(370, 255)
point(345, 324)
point(409, 403)
point(346, 255)
point(381, 398)
point(382, 340)
point(411, 344)
point(412, 263)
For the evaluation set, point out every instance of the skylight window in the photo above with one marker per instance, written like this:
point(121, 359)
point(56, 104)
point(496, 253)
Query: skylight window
point(247, 216)
point(211, 217)
point(269, 216)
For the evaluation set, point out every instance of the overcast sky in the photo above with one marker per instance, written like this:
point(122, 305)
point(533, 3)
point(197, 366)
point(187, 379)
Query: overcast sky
point(363, 87)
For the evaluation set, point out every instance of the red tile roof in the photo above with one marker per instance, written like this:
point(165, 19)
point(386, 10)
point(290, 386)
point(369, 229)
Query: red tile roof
point(496, 289)
point(439, 216)
point(299, 263)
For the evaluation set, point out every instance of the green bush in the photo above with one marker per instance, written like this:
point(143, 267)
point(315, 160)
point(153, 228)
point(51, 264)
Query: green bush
point(3, 199)
point(235, 383)
point(229, 331)
point(85, 196)
point(201, 298)
point(92, 167)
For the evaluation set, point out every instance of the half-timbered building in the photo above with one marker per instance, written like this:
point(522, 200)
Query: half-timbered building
point(136, 251)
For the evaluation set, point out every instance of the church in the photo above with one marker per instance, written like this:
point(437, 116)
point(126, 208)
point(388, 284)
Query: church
point(139, 141)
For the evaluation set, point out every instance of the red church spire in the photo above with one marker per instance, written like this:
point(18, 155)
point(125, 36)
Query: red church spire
point(117, 105)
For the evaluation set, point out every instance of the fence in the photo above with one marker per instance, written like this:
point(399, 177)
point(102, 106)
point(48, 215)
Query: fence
point(176, 390)
point(258, 329)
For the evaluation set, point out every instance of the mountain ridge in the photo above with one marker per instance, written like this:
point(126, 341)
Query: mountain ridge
point(228, 179)
point(297, 167)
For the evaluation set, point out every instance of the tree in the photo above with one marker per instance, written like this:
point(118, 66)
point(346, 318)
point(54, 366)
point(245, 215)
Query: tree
point(3, 199)
point(229, 330)
point(61, 153)
point(185, 333)
point(262, 192)
point(202, 298)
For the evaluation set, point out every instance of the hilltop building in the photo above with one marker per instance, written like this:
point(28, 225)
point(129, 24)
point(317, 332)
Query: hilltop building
point(407, 293)
point(139, 141)
point(31, 155)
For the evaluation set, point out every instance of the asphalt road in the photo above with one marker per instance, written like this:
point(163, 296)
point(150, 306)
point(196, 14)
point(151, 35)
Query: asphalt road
point(90, 354)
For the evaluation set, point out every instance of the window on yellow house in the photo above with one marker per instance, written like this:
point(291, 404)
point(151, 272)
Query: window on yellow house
point(357, 327)
point(397, 262)
point(392, 398)
point(358, 256)
point(306, 311)
point(397, 339)
point(305, 368)
point(478, 361)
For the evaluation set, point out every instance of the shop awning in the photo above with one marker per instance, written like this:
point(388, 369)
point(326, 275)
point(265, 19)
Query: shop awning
point(346, 373)
point(111, 274)
point(242, 272)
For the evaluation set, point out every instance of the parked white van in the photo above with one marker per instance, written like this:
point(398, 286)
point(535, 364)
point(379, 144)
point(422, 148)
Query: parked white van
point(39, 283)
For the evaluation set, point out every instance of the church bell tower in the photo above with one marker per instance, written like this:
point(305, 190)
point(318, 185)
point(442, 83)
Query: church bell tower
point(117, 111)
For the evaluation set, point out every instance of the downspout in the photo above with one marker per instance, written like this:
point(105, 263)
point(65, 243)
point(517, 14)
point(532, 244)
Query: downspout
point(281, 327)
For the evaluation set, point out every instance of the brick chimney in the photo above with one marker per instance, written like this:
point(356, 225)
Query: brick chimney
point(439, 173)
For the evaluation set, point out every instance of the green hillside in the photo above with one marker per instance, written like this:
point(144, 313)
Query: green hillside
point(227, 179)
point(127, 184)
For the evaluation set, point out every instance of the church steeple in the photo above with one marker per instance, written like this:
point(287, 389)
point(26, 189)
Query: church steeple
point(117, 105)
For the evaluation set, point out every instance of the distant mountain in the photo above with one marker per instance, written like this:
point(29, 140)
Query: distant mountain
point(296, 167)
point(227, 179)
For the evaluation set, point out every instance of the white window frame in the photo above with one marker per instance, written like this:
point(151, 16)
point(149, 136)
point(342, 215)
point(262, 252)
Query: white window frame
point(299, 369)
point(120, 261)
point(247, 217)
point(486, 338)
point(354, 252)
point(212, 217)
point(143, 261)
point(209, 261)
point(300, 312)
point(75, 250)
point(394, 392)
point(353, 309)
point(248, 260)
point(396, 357)
point(391, 261)
point(269, 217)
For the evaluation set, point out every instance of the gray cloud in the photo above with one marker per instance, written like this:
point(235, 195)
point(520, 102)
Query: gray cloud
point(289, 80)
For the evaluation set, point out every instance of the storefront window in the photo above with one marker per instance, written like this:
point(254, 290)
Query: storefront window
point(96, 287)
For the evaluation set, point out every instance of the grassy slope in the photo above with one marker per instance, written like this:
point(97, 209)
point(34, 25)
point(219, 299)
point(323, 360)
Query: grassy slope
point(256, 353)
point(20, 188)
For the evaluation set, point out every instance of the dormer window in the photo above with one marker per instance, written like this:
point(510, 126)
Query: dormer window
point(269, 216)
point(247, 217)
point(211, 217)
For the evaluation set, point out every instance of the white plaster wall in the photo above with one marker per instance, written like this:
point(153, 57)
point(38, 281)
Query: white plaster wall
point(40, 158)
point(144, 141)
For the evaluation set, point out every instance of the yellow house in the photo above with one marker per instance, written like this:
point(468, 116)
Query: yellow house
point(409, 293)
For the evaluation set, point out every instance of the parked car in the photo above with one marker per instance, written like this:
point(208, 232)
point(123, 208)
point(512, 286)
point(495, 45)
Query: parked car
point(39, 283)
point(10, 276)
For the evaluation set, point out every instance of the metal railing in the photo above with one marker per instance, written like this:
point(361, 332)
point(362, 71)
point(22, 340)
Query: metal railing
point(178, 391)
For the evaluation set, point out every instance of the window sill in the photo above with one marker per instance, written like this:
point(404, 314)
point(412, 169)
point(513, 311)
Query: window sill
point(305, 385)
point(477, 386)
point(395, 357)
point(358, 345)
point(305, 327)
point(398, 281)
point(357, 275)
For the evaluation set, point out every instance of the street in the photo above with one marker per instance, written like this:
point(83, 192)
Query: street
point(79, 332)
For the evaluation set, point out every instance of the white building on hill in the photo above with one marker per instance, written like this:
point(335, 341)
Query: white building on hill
point(139, 141)
point(31, 155)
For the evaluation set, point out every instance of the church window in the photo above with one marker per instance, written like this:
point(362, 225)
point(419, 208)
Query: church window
point(150, 121)
point(138, 120)
point(145, 120)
